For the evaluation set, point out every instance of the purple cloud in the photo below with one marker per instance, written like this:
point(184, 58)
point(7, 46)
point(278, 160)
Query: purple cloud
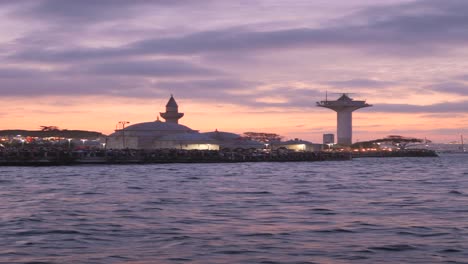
point(457, 88)
point(448, 107)
point(361, 83)
point(151, 68)
point(123, 67)
point(421, 28)
point(87, 11)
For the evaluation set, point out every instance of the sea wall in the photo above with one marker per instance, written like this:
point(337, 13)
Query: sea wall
point(18, 157)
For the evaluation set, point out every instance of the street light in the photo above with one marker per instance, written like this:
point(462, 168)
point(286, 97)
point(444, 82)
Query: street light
point(123, 123)
point(69, 143)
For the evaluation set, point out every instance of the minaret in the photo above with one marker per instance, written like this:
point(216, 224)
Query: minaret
point(344, 108)
point(172, 114)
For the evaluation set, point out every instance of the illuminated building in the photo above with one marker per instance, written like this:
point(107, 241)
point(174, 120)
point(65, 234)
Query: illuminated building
point(158, 134)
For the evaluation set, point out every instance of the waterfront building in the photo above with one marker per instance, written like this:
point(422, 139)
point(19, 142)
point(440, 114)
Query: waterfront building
point(158, 134)
point(229, 140)
point(297, 145)
point(344, 107)
point(169, 134)
point(328, 139)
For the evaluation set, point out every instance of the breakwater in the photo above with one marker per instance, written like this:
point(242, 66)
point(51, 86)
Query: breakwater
point(21, 157)
point(59, 156)
point(395, 153)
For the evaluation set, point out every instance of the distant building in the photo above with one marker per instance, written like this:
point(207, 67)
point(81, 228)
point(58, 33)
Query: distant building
point(172, 135)
point(158, 134)
point(328, 139)
point(232, 141)
point(297, 145)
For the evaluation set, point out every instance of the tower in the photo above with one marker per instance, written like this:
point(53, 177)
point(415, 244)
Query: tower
point(172, 114)
point(344, 108)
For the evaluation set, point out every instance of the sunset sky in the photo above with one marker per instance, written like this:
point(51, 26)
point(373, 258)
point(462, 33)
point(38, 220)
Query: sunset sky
point(244, 65)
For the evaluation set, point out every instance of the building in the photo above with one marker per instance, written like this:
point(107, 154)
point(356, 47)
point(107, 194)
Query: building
point(328, 139)
point(297, 145)
point(227, 140)
point(344, 107)
point(158, 134)
point(169, 134)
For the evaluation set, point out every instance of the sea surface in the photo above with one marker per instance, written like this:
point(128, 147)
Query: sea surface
point(370, 210)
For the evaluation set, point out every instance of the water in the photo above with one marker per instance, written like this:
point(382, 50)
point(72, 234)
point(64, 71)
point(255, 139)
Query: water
point(394, 210)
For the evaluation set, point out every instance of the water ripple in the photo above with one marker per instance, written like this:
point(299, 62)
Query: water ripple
point(399, 210)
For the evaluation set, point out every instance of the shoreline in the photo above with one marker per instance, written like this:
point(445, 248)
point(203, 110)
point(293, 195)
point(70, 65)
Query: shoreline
point(60, 157)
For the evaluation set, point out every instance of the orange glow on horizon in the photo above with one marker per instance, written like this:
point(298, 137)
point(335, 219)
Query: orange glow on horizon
point(102, 114)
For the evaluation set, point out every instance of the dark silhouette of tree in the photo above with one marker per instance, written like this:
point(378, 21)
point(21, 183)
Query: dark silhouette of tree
point(262, 137)
point(394, 140)
point(49, 128)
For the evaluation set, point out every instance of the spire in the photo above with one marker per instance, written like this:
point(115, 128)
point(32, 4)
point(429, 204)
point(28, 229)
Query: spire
point(172, 114)
point(172, 102)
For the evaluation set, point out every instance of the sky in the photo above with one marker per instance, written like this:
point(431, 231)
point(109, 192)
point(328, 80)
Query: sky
point(237, 66)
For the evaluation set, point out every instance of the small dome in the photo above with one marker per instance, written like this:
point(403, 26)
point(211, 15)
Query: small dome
point(222, 136)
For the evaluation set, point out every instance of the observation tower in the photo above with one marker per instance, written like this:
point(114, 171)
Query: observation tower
point(344, 107)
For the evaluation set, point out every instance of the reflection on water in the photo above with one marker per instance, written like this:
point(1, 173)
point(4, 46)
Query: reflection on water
point(395, 210)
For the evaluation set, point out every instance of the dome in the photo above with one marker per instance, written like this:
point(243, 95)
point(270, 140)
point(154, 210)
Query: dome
point(222, 136)
point(158, 125)
point(156, 128)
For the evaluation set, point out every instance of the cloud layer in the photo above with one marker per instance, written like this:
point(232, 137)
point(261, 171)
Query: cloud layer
point(404, 56)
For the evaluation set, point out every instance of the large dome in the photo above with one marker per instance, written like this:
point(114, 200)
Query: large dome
point(156, 128)
point(158, 125)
